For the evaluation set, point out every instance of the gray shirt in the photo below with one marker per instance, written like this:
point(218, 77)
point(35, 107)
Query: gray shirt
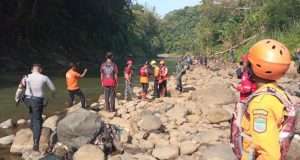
point(37, 83)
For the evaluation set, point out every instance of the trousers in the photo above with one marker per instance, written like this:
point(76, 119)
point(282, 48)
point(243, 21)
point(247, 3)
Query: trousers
point(110, 96)
point(78, 93)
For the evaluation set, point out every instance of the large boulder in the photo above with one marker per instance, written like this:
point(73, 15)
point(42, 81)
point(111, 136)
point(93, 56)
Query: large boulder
point(294, 153)
point(23, 140)
point(7, 140)
point(219, 94)
point(78, 128)
point(51, 122)
point(219, 152)
point(166, 152)
point(187, 148)
point(123, 123)
point(217, 115)
point(6, 124)
point(149, 122)
point(178, 112)
point(89, 152)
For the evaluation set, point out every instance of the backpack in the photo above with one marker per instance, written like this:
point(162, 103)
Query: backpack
point(286, 132)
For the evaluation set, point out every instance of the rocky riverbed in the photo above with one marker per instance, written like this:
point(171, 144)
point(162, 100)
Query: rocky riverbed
point(193, 125)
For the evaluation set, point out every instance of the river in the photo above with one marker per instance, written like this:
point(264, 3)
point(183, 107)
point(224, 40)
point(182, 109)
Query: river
point(90, 85)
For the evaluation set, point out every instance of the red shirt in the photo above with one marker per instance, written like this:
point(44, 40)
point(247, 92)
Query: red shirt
point(246, 88)
point(128, 72)
point(109, 70)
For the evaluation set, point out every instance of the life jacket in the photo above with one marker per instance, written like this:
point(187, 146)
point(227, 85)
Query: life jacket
point(144, 75)
point(286, 132)
point(162, 72)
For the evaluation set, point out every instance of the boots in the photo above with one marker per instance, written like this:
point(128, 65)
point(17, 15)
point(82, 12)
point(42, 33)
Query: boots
point(35, 145)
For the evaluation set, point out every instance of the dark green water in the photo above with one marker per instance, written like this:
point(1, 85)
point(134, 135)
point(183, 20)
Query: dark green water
point(90, 85)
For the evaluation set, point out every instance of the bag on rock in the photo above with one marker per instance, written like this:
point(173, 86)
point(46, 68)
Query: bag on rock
point(78, 128)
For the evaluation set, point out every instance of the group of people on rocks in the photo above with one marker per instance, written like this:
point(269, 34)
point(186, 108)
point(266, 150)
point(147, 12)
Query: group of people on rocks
point(263, 123)
point(31, 89)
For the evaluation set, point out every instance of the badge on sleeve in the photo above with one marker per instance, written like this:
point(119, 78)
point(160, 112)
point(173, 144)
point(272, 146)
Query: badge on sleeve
point(260, 124)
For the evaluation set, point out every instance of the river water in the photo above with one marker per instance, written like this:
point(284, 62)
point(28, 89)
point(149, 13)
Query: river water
point(90, 85)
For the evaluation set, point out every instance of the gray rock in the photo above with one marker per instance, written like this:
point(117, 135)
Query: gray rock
point(21, 121)
point(106, 115)
point(51, 122)
point(23, 141)
point(178, 112)
point(219, 152)
point(166, 152)
point(205, 137)
point(32, 155)
point(187, 148)
point(149, 122)
point(78, 128)
point(7, 139)
point(216, 95)
point(294, 153)
point(6, 124)
point(127, 156)
point(89, 152)
point(217, 115)
point(132, 149)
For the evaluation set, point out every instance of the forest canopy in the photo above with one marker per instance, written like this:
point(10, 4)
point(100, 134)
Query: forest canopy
point(59, 31)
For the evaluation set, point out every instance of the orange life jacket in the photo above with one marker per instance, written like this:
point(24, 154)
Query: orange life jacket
point(144, 75)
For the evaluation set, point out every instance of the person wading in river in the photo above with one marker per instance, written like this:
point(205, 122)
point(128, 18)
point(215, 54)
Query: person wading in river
point(109, 78)
point(128, 78)
point(34, 85)
point(163, 72)
point(268, 122)
point(72, 85)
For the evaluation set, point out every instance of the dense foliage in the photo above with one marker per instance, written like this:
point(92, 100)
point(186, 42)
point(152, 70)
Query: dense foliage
point(217, 25)
point(59, 31)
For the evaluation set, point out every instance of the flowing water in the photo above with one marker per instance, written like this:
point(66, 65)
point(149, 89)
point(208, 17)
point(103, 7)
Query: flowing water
point(90, 85)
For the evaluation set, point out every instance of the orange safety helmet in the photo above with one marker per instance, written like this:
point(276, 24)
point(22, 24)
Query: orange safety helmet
point(270, 59)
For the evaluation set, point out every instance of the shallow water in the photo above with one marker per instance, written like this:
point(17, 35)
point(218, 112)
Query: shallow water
point(90, 85)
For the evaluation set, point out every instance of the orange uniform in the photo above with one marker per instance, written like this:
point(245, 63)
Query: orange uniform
point(72, 80)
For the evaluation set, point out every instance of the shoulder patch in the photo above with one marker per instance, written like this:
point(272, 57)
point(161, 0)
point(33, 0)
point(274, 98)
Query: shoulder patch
point(260, 112)
point(260, 124)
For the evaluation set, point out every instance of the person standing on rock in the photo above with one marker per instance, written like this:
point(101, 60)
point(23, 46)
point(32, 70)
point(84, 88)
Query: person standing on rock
point(109, 80)
point(269, 121)
point(164, 72)
point(144, 80)
point(232, 53)
point(181, 69)
point(128, 78)
point(72, 77)
point(157, 77)
point(34, 85)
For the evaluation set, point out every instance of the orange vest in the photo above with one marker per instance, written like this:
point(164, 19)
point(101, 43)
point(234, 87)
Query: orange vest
point(144, 75)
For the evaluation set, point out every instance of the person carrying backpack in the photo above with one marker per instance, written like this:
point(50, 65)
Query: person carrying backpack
point(268, 123)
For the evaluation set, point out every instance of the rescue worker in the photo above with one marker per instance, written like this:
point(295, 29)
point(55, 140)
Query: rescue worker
point(109, 78)
point(72, 84)
point(246, 88)
point(156, 76)
point(164, 72)
point(128, 78)
point(34, 85)
point(268, 122)
point(181, 69)
point(144, 80)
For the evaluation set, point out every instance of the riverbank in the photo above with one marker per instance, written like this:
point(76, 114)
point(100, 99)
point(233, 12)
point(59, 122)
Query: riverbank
point(191, 125)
